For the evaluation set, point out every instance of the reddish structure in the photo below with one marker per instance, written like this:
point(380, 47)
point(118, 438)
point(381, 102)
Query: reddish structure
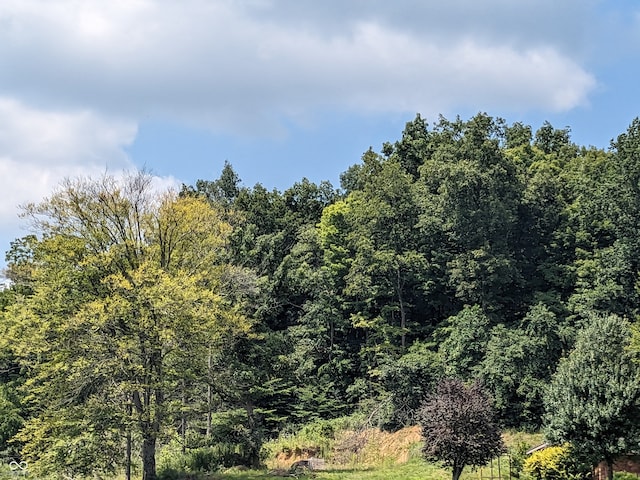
point(625, 463)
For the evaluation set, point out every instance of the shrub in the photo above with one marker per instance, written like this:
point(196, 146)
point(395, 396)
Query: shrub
point(316, 438)
point(173, 464)
point(518, 454)
point(624, 476)
point(554, 463)
point(170, 461)
point(319, 438)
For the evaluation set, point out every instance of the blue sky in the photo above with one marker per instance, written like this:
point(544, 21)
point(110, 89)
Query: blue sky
point(286, 89)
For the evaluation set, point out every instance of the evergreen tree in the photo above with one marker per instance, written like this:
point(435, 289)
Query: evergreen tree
point(594, 399)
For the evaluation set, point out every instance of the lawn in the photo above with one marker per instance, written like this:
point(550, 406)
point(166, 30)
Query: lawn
point(415, 469)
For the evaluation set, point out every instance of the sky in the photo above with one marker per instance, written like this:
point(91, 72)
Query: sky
point(287, 89)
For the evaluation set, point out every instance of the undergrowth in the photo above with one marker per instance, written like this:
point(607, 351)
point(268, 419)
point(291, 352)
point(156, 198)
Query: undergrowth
point(351, 451)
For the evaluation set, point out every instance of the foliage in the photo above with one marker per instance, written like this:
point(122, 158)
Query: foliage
point(554, 463)
point(517, 456)
point(519, 362)
point(128, 296)
point(175, 462)
point(459, 426)
point(315, 439)
point(463, 348)
point(594, 399)
point(468, 248)
point(11, 419)
point(408, 381)
point(624, 476)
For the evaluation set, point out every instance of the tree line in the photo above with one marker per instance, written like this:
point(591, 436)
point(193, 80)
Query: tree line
point(220, 315)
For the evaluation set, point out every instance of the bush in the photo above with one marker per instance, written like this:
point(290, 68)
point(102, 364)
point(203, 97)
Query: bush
point(315, 439)
point(170, 461)
point(208, 459)
point(173, 464)
point(518, 454)
point(169, 473)
point(554, 463)
point(624, 476)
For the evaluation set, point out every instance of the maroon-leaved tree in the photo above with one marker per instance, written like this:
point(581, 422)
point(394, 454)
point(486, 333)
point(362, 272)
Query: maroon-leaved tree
point(459, 426)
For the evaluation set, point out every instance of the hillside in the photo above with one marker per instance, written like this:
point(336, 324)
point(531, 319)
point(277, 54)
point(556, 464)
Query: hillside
point(214, 320)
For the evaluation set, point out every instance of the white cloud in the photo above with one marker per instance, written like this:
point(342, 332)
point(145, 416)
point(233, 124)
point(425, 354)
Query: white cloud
point(40, 148)
point(242, 65)
point(53, 138)
point(79, 76)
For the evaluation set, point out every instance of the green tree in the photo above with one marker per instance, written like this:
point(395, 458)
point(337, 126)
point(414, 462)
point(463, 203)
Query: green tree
point(547, 251)
point(519, 363)
point(408, 381)
point(593, 401)
point(222, 191)
point(11, 405)
point(128, 296)
point(605, 266)
point(295, 310)
point(552, 140)
point(323, 353)
point(459, 426)
point(388, 270)
point(413, 147)
point(469, 193)
point(464, 345)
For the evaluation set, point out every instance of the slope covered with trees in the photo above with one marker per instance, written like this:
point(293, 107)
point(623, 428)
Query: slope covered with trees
point(212, 319)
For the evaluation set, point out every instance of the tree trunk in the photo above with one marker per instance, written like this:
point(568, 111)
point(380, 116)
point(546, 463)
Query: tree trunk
point(403, 313)
point(183, 418)
point(252, 425)
point(128, 448)
point(127, 472)
point(457, 471)
point(209, 394)
point(149, 458)
point(331, 339)
point(609, 469)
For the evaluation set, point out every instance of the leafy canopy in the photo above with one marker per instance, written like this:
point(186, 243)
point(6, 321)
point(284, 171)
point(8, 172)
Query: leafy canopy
point(459, 426)
point(594, 399)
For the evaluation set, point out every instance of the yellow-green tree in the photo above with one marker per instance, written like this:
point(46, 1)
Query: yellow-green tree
point(130, 296)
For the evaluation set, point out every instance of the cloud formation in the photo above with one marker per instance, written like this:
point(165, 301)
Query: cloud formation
point(220, 63)
point(79, 77)
point(38, 148)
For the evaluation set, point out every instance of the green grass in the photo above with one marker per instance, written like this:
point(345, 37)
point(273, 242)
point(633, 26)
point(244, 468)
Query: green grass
point(378, 466)
point(414, 469)
point(513, 438)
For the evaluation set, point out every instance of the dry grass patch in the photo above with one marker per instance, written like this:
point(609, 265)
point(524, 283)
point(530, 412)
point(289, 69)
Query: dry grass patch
point(373, 446)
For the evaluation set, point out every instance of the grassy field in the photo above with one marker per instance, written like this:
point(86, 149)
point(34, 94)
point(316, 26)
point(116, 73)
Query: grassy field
point(384, 456)
point(412, 470)
point(415, 469)
point(387, 469)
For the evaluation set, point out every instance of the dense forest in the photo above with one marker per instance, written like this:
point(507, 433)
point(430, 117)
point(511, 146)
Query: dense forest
point(222, 315)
